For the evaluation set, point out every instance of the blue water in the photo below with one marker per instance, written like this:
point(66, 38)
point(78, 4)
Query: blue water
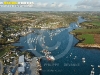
point(68, 57)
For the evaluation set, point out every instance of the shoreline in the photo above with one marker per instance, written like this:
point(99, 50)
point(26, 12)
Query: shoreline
point(88, 46)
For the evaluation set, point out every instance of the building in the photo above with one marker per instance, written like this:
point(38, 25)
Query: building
point(22, 64)
point(10, 74)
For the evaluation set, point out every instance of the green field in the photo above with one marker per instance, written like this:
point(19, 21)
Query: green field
point(89, 39)
point(96, 23)
point(86, 34)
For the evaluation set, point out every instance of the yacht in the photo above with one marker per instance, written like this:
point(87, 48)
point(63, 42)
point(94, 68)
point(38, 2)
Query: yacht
point(50, 58)
point(47, 55)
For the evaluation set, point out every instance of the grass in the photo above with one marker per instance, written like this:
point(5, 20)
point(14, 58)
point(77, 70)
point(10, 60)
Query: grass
point(86, 34)
point(2, 52)
point(97, 23)
point(6, 49)
point(89, 39)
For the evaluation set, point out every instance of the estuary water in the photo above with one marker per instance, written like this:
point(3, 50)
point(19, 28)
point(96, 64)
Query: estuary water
point(69, 60)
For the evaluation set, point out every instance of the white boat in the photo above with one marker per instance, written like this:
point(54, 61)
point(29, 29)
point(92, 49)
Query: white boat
point(79, 26)
point(92, 65)
point(75, 56)
point(92, 69)
point(99, 66)
point(50, 58)
point(47, 55)
point(51, 38)
point(92, 72)
point(56, 47)
point(83, 60)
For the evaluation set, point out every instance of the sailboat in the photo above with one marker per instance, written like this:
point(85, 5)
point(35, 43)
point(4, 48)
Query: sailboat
point(56, 47)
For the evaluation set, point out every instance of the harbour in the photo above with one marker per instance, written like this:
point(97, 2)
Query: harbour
point(74, 61)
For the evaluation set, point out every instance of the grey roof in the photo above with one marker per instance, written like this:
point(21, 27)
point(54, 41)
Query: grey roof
point(21, 69)
point(21, 62)
point(21, 59)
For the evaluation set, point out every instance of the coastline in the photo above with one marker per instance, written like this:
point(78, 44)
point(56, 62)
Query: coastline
point(94, 46)
point(82, 45)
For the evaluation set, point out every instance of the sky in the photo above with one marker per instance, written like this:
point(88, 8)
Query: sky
point(56, 5)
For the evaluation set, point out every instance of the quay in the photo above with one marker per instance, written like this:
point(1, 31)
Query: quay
point(35, 66)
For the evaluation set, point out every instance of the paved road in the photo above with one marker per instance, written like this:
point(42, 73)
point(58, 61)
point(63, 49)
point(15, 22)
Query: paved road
point(1, 68)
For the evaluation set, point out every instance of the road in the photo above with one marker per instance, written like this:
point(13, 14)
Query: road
point(1, 67)
point(33, 67)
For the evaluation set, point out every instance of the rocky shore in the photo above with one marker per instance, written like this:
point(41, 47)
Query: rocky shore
point(88, 45)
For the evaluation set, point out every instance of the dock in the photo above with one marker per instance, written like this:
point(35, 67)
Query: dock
point(35, 66)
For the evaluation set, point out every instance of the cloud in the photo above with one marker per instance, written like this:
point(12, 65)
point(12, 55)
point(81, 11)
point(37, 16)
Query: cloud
point(45, 4)
point(93, 5)
point(41, 6)
point(60, 5)
point(53, 5)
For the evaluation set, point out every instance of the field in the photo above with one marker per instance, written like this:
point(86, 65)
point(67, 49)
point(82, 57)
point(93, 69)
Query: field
point(97, 38)
point(88, 38)
point(97, 23)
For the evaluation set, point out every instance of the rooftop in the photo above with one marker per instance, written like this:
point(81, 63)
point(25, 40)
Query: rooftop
point(21, 59)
